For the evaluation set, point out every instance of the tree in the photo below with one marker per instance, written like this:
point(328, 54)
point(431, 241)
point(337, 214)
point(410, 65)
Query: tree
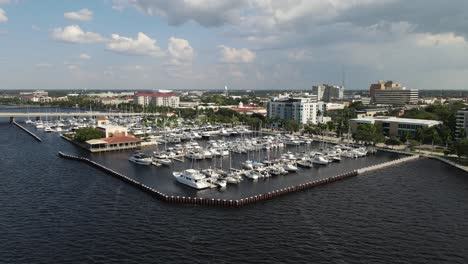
point(393, 141)
point(405, 136)
point(331, 126)
point(461, 148)
point(368, 133)
point(87, 133)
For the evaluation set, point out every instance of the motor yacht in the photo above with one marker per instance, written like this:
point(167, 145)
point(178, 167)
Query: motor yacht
point(140, 159)
point(192, 178)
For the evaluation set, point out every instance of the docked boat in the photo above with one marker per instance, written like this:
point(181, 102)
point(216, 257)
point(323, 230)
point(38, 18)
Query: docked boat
point(320, 160)
point(166, 161)
point(140, 159)
point(194, 155)
point(252, 174)
point(290, 167)
point(192, 178)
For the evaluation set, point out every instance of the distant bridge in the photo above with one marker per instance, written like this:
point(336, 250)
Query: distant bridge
point(13, 115)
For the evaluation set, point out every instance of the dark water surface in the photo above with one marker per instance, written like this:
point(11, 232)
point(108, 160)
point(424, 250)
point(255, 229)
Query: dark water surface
point(60, 211)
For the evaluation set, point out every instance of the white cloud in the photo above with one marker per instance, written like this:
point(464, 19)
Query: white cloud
point(141, 46)
point(81, 15)
point(449, 39)
point(74, 34)
point(180, 51)
point(3, 17)
point(35, 28)
point(205, 12)
point(233, 55)
point(85, 56)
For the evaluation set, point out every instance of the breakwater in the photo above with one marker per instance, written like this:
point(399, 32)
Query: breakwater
point(238, 202)
point(27, 131)
point(387, 164)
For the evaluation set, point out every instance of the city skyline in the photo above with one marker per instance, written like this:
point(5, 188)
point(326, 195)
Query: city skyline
point(246, 45)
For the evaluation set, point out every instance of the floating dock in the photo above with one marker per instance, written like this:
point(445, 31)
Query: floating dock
point(27, 131)
point(239, 202)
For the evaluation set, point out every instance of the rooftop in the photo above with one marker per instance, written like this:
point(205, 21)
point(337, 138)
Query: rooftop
point(122, 139)
point(156, 94)
point(398, 120)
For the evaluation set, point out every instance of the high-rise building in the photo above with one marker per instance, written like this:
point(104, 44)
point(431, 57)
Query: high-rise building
point(156, 99)
point(302, 110)
point(462, 124)
point(392, 93)
point(381, 85)
point(327, 92)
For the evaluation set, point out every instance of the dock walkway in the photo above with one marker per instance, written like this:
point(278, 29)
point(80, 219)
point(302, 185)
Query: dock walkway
point(27, 131)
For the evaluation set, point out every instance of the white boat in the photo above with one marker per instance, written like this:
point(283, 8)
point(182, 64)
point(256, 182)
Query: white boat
point(194, 155)
point(192, 178)
point(166, 162)
point(140, 159)
point(290, 167)
point(47, 129)
point(320, 160)
point(221, 183)
point(305, 163)
point(252, 174)
point(248, 165)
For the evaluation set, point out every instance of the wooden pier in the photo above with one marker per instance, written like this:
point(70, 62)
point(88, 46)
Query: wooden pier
point(26, 130)
point(239, 202)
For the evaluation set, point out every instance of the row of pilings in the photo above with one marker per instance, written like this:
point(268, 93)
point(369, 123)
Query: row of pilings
point(27, 131)
point(211, 201)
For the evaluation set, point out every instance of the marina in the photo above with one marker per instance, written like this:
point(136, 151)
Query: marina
point(231, 163)
point(379, 208)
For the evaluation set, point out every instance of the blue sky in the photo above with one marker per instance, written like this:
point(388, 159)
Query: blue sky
point(245, 44)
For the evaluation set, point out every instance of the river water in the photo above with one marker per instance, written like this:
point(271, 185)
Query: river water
point(60, 211)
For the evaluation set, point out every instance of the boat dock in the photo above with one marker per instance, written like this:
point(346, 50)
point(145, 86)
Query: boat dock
point(239, 202)
point(27, 131)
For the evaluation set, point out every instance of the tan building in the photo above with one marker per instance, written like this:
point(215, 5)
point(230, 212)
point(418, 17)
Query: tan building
point(394, 126)
point(380, 86)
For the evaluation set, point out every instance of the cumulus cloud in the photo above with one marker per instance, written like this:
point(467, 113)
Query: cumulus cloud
point(142, 45)
point(180, 51)
point(81, 15)
point(233, 55)
point(3, 16)
point(207, 13)
point(74, 34)
point(85, 56)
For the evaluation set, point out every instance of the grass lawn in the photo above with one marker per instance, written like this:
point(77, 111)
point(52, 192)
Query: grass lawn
point(462, 161)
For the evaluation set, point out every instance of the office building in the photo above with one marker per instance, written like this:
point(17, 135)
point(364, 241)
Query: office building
point(394, 126)
point(302, 110)
point(156, 99)
point(392, 93)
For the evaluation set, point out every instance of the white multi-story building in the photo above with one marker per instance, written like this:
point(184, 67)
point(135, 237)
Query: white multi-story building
point(462, 124)
point(302, 110)
point(156, 99)
point(327, 92)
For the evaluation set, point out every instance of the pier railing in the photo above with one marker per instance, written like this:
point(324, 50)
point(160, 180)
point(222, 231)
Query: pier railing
point(238, 202)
